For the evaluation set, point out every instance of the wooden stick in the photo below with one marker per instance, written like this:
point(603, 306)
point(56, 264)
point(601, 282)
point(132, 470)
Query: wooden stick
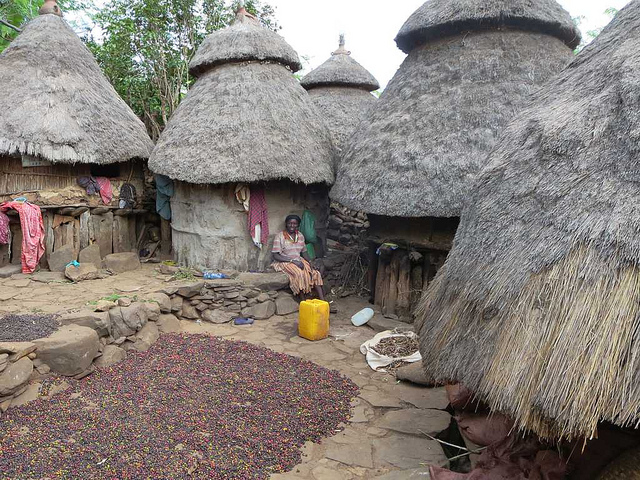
point(7, 24)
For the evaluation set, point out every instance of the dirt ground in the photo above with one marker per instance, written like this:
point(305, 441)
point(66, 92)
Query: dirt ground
point(388, 435)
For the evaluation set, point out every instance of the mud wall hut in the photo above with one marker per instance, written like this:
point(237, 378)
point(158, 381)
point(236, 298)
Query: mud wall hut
point(63, 120)
point(245, 125)
point(537, 308)
point(471, 65)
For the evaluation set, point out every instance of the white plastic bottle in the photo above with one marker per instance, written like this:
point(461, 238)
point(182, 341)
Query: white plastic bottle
point(362, 317)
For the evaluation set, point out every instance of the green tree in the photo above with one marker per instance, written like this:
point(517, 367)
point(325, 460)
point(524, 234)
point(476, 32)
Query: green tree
point(591, 35)
point(146, 47)
point(14, 14)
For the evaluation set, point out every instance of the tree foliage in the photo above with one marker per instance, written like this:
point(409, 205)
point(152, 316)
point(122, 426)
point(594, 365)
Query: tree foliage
point(146, 45)
point(591, 35)
point(14, 14)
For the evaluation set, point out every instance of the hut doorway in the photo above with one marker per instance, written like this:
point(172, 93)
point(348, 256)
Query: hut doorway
point(404, 256)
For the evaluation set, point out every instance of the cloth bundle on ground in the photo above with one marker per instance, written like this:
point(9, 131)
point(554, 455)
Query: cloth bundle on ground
point(97, 185)
point(32, 233)
point(378, 361)
point(514, 458)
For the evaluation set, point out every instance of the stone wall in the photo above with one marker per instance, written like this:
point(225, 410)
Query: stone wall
point(210, 227)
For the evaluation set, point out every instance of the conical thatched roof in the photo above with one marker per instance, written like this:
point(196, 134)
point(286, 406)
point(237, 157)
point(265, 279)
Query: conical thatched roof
point(340, 88)
point(537, 308)
point(440, 115)
point(340, 70)
point(57, 104)
point(246, 118)
point(438, 18)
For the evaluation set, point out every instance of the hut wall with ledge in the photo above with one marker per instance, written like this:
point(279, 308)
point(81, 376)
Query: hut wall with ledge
point(210, 227)
point(72, 217)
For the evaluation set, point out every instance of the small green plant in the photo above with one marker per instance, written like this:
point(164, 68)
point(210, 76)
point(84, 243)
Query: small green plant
point(112, 298)
point(183, 274)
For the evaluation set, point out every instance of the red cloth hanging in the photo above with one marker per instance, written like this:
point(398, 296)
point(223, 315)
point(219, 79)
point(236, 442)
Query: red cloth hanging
point(32, 233)
point(106, 191)
point(258, 214)
point(4, 229)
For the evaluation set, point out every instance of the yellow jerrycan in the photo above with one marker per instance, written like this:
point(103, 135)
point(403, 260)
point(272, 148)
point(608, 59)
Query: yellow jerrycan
point(314, 319)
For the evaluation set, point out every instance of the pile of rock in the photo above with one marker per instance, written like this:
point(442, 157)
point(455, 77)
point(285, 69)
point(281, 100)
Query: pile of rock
point(346, 225)
point(255, 295)
point(91, 264)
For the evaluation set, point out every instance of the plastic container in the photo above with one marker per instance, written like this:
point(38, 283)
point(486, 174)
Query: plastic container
point(362, 317)
point(314, 320)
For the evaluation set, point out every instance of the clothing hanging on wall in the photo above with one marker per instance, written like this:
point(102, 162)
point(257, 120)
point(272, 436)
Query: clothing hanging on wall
point(258, 217)
point(33, 233)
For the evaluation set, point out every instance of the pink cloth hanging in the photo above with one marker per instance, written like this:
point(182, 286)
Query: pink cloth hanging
point(4, 229)
point(32, 233)
point(258, 214)
point(106, 191)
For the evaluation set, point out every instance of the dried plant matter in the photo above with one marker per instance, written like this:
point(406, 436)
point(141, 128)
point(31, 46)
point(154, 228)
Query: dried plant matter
point(537, 309)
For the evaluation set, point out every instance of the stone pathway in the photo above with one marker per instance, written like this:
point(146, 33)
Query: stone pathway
point(387, 435)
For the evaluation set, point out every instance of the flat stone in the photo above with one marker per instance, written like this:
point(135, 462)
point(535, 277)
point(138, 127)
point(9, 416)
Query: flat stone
point(380, 399)
point(168, 269)
point(260, 311)
point(322, 472)
point(421, 397)
point(70, 350)
point(222, 283)
point(407, 452)
point(146, 337)
point(265, 281)
point(126, 321)
point(380, 324)
point(15, 376)
point(190, 290)
point(49, 277)
point(60, 258)
point(110, 356)
point(415, 421)
point(176, 303)
point(163, 301)
point(91, 254)
point(414, 373)
point(8, 270)
point(359, 454)
point(31, 394)
point(104, 306)
point(122, 262)
point(153, 310)
point(19, 283)
point(412, 474)
point(17, 350)
point(359, 415)
point(286, 304)
point(217, 316)
point(86, 271)
point(263, 297)
point(124, 302)
point(189, 311)
point(98, 321)
point(8, 293)
point(168, 323)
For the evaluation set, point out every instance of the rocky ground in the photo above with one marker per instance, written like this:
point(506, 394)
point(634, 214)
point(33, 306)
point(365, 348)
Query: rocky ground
point(388, 434)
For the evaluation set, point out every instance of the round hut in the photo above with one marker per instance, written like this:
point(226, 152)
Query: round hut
point(246, 129)
point(537, 309)
point(61, 120)
point(341, 89)
point(471, 65)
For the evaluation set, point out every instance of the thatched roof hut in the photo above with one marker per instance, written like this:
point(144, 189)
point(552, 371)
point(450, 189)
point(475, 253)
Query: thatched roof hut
point(57, 104)
point(471, 65)
point(246, 119)
point(340, 88)
point(537, 308)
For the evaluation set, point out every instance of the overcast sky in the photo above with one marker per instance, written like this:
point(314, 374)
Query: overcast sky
point(312, 27)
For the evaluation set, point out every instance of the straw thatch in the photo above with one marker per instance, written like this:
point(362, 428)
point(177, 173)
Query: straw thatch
point(439, 117)
point(438, 18)
point(537, 308)
point(340, 88)
point(245, 121)
point(57, 104)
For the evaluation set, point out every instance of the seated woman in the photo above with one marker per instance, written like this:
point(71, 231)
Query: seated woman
point(290, 256)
